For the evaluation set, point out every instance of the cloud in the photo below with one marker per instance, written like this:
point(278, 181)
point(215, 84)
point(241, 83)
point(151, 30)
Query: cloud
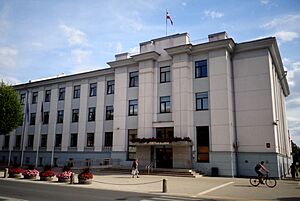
point(183, 3)
point(287, 21)
point(134, 50)
point(8, 57)
point(74, 36)
point(80, 55)
point(286, 36)
point(119, 47)
point(264, 2)
point(10, 80)
point(213, 14)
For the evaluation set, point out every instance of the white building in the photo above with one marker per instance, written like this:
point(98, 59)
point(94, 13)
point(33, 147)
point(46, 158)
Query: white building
point(215, 104)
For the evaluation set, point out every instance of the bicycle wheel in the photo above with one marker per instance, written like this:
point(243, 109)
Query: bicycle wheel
point(254, 181)
point(271, 182)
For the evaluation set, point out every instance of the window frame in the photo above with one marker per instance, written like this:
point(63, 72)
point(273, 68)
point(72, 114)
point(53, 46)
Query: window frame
point(34, 97)
point(165, 76)
point(47, 95)
point(110, 87)
point(201, 68)
point(60, 117)
point(131, 155)
point(202, 101)
point(32, 118)
point(45, 117)
point(73, 140)
point(133, 107)
point(58, 140)
point(61, 93)
point(163, 104)
point(134, 79)
point(109, 112)
point(108, 139)
point(203, 143)
point(92, 114)
point(76, 92)
point(44, 137)
point(93, 89)
point(75, 115)
point(90, 136)
point(22, 98)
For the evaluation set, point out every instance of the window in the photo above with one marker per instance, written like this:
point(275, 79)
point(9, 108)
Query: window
point(131, 150)
point(90, 140)
point(165, 75)
point(30, 141)
point(76, 93)
point(165, 104)
point(32, 119)
point(109, 112)
point(34, 97)
point(75, 115)
point(110, 87)
point(44, 140)
point(93, 89)
point(60, 116)
point(201, 68)
point(134, 79)
point(18, 141)
point(47, 95)
point(202, 144)
point(58, 138)
point(22, 99)
point(46, 118)
point(202, 101)
point(165, 133)
point(73, 140)
point(108, 140)
point(6, 141)
point(133, 107)
point(92, 114)
point(61, 94)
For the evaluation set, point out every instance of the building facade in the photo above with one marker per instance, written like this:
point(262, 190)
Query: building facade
point(217, 104)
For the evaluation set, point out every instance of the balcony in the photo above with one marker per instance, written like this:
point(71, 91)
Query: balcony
point(106, 149)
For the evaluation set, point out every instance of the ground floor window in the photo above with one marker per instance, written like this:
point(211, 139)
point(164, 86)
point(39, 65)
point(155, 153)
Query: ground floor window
point(203, 144)
point(108, 141)
point(165, 133)
point(131, 149)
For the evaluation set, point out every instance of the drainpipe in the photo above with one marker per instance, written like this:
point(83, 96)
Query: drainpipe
point(234, 116)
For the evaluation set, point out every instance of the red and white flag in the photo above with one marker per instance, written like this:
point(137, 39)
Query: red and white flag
point(169, 18)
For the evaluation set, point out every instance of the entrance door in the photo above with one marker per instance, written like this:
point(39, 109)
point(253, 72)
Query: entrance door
point(164, 158)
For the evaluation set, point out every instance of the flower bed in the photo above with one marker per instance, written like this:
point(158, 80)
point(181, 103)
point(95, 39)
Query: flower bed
point(30, 174)
point(15, 172)
point(47, 175)
point(85, 177)
point(64, 176)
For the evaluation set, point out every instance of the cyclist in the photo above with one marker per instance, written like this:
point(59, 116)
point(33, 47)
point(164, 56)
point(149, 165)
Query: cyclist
point(260, 169)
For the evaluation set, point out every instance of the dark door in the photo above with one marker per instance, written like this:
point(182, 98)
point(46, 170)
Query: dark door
point(164, 158)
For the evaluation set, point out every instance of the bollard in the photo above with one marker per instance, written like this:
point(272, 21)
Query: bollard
point(72, 178)
point(6, 173)
point(164, 186)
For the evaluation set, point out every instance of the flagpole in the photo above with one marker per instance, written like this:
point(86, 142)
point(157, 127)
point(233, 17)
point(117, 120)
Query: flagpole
point(24, 127)
point(166, 22)
point(39, 133)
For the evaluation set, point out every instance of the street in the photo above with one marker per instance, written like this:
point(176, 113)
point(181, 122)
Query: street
point(148, 188)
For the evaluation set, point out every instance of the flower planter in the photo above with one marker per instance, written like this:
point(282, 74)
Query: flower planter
point(63, 179)
point(85, 181)
point(46, 178)
point(15, 175)
point(29, 177)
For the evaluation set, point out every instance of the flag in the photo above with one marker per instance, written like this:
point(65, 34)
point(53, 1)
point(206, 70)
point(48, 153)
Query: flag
point(42, 113)
point(169, 18)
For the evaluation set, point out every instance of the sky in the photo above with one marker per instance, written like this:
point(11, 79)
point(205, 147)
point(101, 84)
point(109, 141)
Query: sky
point(44, 38)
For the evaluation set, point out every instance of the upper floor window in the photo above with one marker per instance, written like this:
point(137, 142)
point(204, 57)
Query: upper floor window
point(75, 115)
point(109, 112)
point(46, 118)
point(47, 95)
point(22, 99)
point(34, 97)
point(44, 140)
point(93, 89)
point(18, 141)
point(165, 104)
point(201, 68)
point(76, 93)
point(165, 74)
point(134, 79)
point(73, 140)
point(32, 119)
point(92, 114)
point(6, 141)
point(61, 94)
point(60, 116)
point(58, 138)
point(30, 140)
point(133, 107)
point(202, 101)
point(108, 139)
point(90, 140)
point(110, 87)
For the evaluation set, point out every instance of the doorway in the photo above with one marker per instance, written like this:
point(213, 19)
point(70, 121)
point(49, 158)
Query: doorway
point(164, 157)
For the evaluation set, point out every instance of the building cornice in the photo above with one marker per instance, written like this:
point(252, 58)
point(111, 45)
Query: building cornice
point(219, 44)
point(121, 63)
point(181, 49)
point(146, 56)
point(64, 79)
point(270, 44)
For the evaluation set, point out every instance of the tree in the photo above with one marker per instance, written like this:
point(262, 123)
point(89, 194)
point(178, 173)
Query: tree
point(11, 114)
point(295, 152)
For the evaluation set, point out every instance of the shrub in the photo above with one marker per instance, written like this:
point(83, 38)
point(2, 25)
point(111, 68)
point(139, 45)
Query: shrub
point(64, 175)
point(48, 173)
point(86, 174)
point(30, 173)
point(15, 170)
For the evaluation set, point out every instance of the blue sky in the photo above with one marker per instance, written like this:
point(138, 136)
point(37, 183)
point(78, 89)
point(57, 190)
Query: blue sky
point(43, 38)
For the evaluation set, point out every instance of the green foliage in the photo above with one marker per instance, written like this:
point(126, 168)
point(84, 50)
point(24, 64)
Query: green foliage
point(296, 152)
point(11, 114)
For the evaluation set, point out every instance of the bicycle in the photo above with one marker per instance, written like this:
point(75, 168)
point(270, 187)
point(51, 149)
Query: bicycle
point(269, 181)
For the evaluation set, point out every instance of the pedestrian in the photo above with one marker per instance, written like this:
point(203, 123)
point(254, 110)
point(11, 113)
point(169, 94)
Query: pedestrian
point(134, 168)
point(293, 170)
